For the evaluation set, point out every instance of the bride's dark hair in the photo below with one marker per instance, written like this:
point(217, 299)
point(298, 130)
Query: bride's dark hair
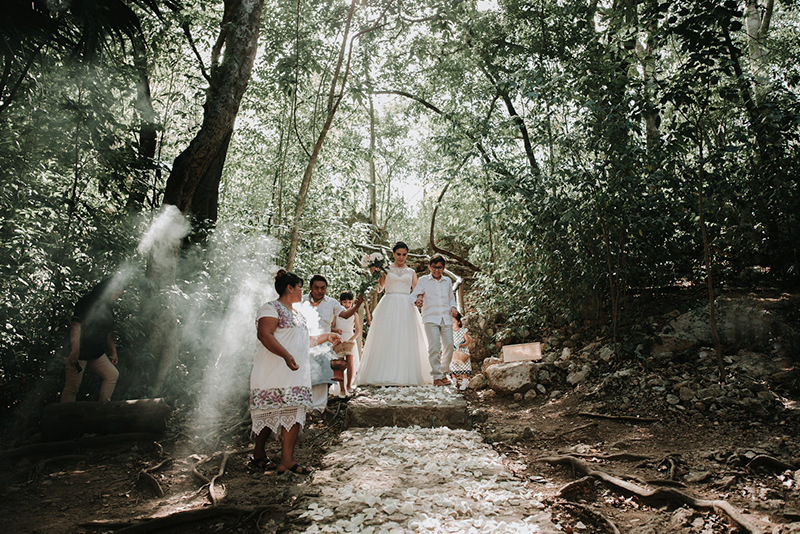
point(399, 245)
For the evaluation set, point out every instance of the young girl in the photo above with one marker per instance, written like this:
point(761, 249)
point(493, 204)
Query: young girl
point(351, 331)
point(460, 365)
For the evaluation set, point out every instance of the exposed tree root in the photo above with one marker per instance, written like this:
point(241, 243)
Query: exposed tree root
point(215, 493)
point(570, 431)
point(594, 514)
point(769, 461)
point(212, 490)
point(151, 480)
point(670, 464)
point(178, 518)
point(571, 486)
point(658, 494)
point(35, 471)
point(623, 456)
point(627, 418)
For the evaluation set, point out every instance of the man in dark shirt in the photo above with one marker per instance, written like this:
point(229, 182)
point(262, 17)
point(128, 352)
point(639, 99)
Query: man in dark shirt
point(91, 341)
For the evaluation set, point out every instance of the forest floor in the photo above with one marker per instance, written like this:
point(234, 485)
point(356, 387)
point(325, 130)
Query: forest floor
point(104, 489)
point(118, 487)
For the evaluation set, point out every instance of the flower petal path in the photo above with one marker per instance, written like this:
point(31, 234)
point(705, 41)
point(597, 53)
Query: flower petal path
point(385, 480)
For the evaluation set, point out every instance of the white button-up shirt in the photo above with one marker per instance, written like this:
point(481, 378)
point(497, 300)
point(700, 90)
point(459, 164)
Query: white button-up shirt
point(327, 309)
point(438, 298)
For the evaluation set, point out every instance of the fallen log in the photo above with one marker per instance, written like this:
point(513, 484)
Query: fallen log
point(76, 444)
point(658, 494)
point(72, 419)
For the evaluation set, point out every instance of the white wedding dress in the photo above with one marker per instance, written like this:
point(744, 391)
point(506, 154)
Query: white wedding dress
point(395, 353)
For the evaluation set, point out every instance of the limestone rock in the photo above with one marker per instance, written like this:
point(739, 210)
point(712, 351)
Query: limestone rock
point(489, 361)
point(671, 344)
point(740, 322)
point(510, 378)
point(681, 518)
point(752, 405)
point(578, 377)
point(607, 353)
point(477, 382)
point(543, 376)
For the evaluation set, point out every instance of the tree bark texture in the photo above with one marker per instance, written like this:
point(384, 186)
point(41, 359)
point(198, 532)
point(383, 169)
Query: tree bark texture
point(229, 79)
point(757, 24)
point(200, 165)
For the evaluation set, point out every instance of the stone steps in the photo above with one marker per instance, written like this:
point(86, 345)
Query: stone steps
point(424, 406)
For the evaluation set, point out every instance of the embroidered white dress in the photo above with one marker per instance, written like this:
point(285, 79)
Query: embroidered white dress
point(280, 397)
point(395, 352)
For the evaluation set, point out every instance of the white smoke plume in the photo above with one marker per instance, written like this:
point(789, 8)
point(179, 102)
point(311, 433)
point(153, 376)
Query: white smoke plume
point(165, 233)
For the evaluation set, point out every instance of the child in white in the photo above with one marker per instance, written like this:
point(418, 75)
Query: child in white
point(350, 330)
point(434, 295)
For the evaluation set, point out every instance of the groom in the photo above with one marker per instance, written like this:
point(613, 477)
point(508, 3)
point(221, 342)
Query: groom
point(434, 296)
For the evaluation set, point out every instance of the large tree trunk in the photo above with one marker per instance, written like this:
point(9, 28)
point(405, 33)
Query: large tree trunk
point(147, 127)
point(229, 79)
point(200, 164)
point(757, 24)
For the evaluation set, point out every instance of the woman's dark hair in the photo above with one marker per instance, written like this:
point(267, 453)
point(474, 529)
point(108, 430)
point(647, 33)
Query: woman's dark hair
point(397, 246)
point(318, 278)
point(284, 279)
point(346, 295)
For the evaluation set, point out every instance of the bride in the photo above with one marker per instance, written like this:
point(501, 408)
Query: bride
point(395, 353)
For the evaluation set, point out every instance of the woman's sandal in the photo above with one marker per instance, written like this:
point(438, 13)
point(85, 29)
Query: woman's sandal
point(261, 464)
point(297, 469)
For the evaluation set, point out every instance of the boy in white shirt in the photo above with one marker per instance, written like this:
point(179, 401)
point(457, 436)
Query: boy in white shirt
point(433, 294)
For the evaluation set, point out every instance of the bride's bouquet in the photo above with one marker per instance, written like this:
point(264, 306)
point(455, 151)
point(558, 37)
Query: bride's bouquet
point(371, 276)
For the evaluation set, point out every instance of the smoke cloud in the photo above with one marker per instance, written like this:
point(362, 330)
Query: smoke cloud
point(165, 233)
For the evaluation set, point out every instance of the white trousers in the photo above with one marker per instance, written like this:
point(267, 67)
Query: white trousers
point(319, 396)
point(440, 348)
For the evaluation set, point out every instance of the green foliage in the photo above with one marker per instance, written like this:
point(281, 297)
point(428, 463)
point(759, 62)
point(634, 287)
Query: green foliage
point(571, 139)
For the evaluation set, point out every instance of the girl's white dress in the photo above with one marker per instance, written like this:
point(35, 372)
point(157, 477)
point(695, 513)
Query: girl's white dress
point(395, 352)
point(280, 397)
